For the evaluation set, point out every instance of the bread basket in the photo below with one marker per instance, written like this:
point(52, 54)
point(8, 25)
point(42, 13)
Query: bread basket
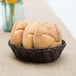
point(36, 55)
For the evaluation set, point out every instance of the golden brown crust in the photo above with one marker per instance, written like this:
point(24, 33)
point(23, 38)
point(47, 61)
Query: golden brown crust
point(17, 33)
point(58, 33)
point(35, 35)
point(46, 36)
point(28, 34)
point(17, 38)
point(55, 44)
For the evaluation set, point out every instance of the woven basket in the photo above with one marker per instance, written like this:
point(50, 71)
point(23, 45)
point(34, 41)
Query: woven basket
point(36, 55)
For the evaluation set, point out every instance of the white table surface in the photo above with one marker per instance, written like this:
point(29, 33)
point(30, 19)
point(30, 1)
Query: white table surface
point(65, 9)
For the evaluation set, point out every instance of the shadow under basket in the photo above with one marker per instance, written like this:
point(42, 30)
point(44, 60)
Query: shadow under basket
point(36, 55)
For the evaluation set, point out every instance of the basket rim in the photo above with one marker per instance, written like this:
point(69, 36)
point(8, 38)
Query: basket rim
point(35, 55)
point(62, 45)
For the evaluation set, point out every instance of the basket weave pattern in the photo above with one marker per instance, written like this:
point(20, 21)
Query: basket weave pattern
point(42, 55)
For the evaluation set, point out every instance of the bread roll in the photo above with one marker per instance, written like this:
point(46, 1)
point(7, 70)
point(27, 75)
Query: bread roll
point(48, 35)
point(17, 33)
point(29, 33)
point(35, 35)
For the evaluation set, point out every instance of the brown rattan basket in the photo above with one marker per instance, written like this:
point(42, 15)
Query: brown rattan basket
point(36, 55)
